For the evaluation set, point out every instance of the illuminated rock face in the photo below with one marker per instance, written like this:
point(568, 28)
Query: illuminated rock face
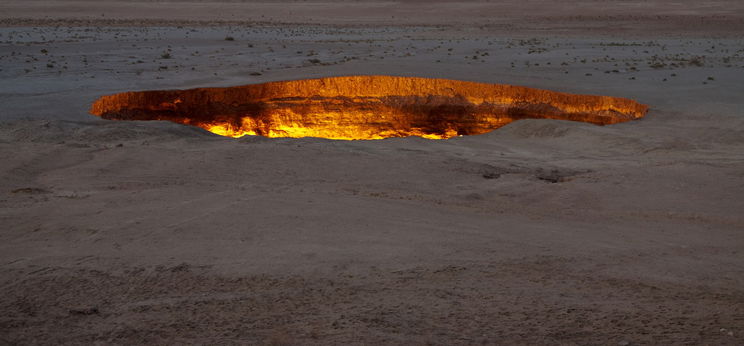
point(362, 107)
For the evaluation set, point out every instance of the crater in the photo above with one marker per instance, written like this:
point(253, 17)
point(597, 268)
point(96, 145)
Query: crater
point(363, 107)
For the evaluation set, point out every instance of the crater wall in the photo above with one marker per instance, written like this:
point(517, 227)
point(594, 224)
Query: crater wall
point(363, 107)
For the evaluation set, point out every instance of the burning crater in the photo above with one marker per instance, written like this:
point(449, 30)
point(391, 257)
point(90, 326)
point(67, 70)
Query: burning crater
point(362, 107)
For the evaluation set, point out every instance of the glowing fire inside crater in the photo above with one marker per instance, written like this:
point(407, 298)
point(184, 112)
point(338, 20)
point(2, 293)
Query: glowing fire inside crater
point(363, 107)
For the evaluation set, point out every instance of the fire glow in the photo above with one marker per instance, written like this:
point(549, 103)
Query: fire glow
point(363, 107)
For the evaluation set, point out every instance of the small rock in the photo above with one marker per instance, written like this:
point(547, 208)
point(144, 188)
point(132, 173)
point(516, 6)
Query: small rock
point(623, 343)
point(183, 267)
point(84, 311)
point(491, 175)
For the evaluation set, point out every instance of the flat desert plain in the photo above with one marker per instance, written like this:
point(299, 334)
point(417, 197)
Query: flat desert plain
point(540, 232)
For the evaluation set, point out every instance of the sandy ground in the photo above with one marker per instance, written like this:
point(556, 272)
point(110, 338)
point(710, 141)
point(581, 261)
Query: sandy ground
point(541, 232)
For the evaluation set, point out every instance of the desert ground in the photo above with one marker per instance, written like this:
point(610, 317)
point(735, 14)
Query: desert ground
point(540, 232)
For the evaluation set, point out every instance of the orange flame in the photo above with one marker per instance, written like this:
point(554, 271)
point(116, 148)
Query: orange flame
point(362, 107)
